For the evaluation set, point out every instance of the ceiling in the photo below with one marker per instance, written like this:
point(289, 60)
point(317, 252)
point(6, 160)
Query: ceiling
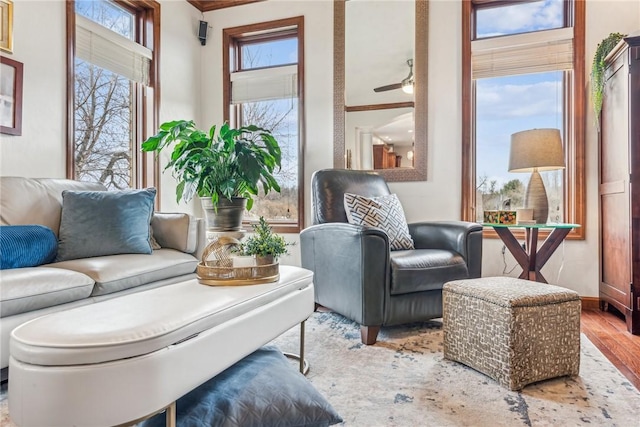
point(208, 5)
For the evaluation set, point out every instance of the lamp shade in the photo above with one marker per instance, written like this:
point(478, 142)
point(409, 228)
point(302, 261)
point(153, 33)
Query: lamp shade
point(539, 149)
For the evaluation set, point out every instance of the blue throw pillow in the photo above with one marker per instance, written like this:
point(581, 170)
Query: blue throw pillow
point(26, 246)
point(97, 223)
point(263, 389)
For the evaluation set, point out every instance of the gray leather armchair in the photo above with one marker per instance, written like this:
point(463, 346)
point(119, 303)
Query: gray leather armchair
point(355, 273)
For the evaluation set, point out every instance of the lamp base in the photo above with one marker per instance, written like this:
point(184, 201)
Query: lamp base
point(536, 198)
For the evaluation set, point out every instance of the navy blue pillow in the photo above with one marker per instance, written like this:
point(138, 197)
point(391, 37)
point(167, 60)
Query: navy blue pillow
point(26, 246)
point(263, 389)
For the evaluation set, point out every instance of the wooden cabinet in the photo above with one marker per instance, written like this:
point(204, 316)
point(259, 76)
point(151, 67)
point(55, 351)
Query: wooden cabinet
point(619, 152)
point(384, 158)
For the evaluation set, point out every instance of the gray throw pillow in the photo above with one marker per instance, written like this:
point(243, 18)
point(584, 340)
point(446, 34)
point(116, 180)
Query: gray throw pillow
point(384, 212)
point(261, 390)
point(97, 223)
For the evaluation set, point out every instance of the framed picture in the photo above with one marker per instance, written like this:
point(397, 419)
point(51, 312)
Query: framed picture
point(10, 96)
point(6, 25)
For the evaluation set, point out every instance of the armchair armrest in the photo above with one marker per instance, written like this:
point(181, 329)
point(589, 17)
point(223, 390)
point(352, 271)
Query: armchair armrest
point(351, 269)
point(459, 236)
point(176, 231)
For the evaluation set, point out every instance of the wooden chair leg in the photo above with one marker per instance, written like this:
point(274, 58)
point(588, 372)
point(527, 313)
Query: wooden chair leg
point(369, 334)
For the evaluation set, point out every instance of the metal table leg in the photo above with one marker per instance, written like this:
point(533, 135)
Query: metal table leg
point(304, 365)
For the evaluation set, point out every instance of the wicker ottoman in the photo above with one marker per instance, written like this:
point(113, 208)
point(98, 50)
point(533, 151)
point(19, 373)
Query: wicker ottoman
point(515, 331)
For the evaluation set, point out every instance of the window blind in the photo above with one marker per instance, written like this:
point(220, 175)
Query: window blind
point(541, 51)
point(264, 84)
point(102, 47)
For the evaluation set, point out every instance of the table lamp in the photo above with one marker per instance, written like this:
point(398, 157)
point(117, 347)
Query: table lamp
point(533, 151)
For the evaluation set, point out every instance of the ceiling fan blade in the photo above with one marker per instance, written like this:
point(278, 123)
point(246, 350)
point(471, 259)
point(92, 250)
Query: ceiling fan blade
point(388, 87)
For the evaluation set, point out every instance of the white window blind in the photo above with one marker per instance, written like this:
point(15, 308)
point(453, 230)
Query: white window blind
point(107, 49)
point(264, 84)
point(540, 51)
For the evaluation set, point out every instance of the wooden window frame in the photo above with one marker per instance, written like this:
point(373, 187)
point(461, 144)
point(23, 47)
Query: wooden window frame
point(233, 38)
point(145, 165)
point(574, 179)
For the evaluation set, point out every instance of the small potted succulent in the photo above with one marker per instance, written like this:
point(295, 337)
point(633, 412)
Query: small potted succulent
point(264, 244)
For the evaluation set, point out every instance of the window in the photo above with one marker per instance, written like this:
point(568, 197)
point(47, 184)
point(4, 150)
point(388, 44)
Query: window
point(263, 77)
point(523, 68)
point(112, 106)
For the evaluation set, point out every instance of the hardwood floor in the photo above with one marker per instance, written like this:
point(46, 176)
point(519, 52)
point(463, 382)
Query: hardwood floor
point(608, 332)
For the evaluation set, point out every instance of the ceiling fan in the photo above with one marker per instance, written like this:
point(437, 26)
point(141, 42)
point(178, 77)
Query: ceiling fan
point(406, 84)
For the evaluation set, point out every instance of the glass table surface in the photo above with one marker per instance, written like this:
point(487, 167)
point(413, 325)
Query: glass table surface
point(548, 225)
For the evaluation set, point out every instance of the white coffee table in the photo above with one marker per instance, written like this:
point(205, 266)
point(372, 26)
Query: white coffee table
point(120, 360)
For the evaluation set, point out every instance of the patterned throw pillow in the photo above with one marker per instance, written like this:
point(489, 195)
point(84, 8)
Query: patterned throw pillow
point(384, 212)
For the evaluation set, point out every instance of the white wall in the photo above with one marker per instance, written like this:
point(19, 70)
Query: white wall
point(180, 76)
point(39, 43)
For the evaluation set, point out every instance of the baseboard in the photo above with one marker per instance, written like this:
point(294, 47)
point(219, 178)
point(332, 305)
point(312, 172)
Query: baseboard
point(590, 303)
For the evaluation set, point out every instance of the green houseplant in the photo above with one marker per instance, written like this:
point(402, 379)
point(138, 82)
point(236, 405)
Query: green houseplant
point(224, 167)
point(264, 244)
point(597, 70)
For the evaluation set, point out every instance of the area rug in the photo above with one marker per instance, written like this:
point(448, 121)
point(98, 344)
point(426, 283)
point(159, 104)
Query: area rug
point(403, 380)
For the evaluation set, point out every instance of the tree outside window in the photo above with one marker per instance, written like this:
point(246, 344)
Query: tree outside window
point(112, 68)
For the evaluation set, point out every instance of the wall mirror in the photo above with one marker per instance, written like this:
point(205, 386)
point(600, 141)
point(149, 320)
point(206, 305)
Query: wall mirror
point(380, 87)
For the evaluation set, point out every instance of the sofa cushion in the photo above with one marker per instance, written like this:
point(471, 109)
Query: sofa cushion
point(176, 231)
point(262, 389)
point(425, 269)
point(26, 246)
point(384, 212)
point(36, 200)
point(97, 223)
point(28, 289)
point(117, 272)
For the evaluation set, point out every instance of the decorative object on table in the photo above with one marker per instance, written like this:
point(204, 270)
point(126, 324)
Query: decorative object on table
point(524, 216)
point(507, 217)
point(219, 266)
point(11, 79)
point(491, 217)
point(533, 151)
point(6, 25)
point(597, 71)
point(264, 244)
point(224, 167)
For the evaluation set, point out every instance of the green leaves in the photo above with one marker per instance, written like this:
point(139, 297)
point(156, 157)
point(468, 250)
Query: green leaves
point(229, 163)
point(264, 241)
point(597, 71)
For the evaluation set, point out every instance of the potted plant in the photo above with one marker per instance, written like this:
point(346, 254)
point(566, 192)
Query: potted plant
point(224, 167)
point(264, 244)
point(597, 71)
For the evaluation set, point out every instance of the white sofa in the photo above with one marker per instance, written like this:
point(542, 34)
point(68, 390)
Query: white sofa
point(27, 293)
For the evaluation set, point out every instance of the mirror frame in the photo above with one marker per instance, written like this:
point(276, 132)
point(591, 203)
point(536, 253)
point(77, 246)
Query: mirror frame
point(420, 71)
